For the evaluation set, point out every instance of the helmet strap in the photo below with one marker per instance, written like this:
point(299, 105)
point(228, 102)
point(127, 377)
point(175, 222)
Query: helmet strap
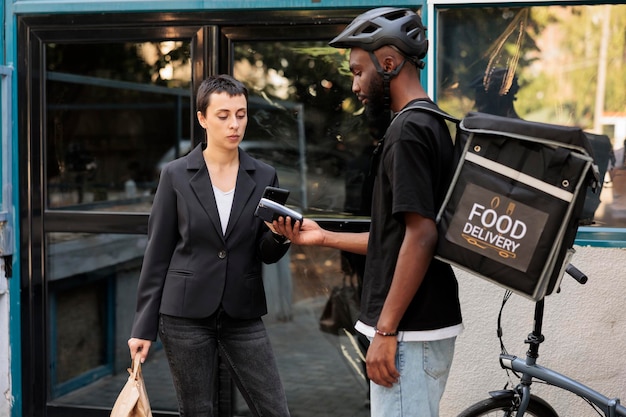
point(387, 77)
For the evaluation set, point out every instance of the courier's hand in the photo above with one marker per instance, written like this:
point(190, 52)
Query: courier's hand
point(306, 233)
point(381, 361)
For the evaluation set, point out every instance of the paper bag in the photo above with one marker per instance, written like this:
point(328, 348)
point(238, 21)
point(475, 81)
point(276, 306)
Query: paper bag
point(133, 399)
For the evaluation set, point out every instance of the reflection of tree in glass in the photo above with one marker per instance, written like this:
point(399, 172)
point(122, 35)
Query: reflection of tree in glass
point(475, 40)
point(135, 62)
point(576, 46)
point(109, 100)
point(308, 73)
point(495, 92)
point(572, 59)
point(272, 121)
point(506, 51)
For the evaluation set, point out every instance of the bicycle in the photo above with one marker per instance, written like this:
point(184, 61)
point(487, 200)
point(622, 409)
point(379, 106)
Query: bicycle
point(518, 401)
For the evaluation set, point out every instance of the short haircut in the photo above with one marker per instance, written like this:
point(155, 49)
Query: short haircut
point(218, 84)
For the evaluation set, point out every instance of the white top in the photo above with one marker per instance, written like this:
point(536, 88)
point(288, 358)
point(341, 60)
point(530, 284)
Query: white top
point(224, 202)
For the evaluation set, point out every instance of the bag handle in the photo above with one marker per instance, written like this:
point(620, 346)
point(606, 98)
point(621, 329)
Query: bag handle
point(349, 279)
point(136, 371)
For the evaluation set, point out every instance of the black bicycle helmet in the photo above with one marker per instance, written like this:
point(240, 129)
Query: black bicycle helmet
point(376, 28)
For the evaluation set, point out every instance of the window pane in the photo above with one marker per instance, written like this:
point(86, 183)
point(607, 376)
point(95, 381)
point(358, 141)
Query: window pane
point(92, 281)
point(305, 121)
point(566, 65)
point(115, 113)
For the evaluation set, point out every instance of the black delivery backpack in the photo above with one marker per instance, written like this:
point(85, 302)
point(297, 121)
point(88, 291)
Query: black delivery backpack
point(515, 202)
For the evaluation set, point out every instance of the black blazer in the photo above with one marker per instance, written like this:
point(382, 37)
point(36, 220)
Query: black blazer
point(190, 267)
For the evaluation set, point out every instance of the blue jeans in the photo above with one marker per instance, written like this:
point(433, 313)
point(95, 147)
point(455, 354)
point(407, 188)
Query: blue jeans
point(192, 346)
point(424, 369)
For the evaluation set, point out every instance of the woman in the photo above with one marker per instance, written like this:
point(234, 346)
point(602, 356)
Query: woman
point(200, 285)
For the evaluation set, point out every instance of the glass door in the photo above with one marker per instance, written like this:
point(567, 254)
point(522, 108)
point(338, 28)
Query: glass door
point(107, 108)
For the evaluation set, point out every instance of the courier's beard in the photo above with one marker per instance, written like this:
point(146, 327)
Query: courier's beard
point(377, 113)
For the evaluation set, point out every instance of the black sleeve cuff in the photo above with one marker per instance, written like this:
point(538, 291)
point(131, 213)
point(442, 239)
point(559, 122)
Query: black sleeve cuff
point(281, 239)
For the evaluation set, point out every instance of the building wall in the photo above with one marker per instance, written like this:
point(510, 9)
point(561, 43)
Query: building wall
point(5, 356)
point(584, 329)
point(6, 238)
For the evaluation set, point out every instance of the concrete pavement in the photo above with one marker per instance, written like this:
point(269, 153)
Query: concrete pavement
point(320, 372)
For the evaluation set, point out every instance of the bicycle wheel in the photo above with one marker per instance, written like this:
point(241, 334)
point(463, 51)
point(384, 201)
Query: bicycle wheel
point(506, 407)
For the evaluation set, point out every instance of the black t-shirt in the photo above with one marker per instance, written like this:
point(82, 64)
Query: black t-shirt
point(415, 167)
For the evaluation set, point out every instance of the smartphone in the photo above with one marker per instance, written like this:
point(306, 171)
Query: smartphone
point(276, 194)
point(269, 211)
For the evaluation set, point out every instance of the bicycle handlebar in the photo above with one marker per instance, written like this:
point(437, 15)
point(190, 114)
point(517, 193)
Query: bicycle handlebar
point(576, 273)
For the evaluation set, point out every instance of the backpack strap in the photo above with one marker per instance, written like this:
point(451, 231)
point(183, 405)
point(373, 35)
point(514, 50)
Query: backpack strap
point(428, 107)
point(432, 108)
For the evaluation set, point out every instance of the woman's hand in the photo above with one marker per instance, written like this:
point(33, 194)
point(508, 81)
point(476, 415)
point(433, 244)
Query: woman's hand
point(139, 346)
point(271, 227)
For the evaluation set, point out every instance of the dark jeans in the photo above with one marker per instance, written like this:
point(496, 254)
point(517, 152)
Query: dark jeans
point(192, 345)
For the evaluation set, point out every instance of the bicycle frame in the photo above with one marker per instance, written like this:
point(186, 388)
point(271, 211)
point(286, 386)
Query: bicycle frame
point(529, 369)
